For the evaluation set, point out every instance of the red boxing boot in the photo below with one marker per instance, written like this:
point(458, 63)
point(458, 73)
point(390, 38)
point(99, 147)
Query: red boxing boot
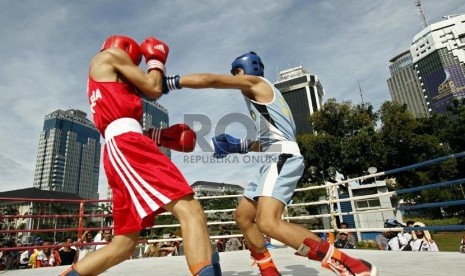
point(335, 260)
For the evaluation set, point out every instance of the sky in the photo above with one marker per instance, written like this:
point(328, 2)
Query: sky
point(46, 48)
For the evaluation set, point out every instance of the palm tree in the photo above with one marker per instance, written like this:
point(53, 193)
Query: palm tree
point(106, 209)
point(57, 209)
point(10, 210)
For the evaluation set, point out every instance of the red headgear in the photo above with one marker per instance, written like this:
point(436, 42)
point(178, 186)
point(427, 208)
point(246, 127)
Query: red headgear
point(127, 44)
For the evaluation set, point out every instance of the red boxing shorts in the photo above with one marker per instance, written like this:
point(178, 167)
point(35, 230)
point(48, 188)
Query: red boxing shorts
point(143, 180)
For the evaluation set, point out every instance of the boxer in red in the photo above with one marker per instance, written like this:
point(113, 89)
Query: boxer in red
point(143, 180)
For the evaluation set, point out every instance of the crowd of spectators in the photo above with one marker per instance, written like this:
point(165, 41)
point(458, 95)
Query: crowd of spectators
point(45, 252)
point(401, 240)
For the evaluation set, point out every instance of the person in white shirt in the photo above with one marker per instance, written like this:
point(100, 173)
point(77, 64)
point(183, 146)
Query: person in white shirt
point(396, 240)
point(104, 236)
point(462, 245)
point(422, 240)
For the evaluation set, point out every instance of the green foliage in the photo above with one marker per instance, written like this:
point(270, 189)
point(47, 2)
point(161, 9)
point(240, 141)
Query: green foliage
point(436, 222)
point(448, 241)
point(367, 244)
point(353, 138)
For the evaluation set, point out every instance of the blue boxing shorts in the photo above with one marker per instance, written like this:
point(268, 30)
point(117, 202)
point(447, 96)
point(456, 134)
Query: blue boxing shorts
point(277, 178)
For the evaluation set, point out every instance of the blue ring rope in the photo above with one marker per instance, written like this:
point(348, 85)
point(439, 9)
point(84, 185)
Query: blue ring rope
point(425, 163)
point(433, 204)
point(431, 186)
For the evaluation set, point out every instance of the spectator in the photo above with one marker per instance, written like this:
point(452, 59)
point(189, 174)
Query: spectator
point(232, 244)
point(410, 223)
point(343, 241)
point(83, 248)
point(152, 249)
point(396, 240)
point(350, 237)
point(47, 256)
point(10, 258)
point(168, 249)
point(422, 240)
point(67, 254)
point(382, 242)
point(33, 252)
point(104, 236)
point(2, 260)
point(462, 245)
point(220, 245)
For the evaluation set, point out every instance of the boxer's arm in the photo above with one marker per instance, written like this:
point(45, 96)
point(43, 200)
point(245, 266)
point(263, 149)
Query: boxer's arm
point(112, 63)
point(252, 87)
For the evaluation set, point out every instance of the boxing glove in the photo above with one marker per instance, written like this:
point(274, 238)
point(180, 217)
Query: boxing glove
point(179, 137)
point(155, 52)
point(225, 144)
point(170, 83)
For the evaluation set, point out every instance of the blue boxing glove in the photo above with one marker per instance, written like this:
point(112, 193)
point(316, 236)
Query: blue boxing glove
point(170, 83)
point(225, 144)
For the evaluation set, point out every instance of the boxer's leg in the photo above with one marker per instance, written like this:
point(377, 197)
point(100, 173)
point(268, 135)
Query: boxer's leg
point(196, 239)
point(120, 249)
point(245, 215)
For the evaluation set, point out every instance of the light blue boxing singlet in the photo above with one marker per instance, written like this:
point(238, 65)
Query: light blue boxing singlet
point(276, 134)
point(273, 120)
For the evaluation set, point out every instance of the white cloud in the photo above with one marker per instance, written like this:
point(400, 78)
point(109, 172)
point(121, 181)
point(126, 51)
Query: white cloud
point(47, 46)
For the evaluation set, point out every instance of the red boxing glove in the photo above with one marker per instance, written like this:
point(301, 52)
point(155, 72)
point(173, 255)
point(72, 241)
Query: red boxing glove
point(179, 137)
point(155, 52)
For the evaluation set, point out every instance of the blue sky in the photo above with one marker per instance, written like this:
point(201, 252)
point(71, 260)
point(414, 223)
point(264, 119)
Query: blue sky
point(47, 46)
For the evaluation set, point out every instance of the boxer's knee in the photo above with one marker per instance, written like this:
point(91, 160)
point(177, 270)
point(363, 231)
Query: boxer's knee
point(266, 225)
point(188, 209)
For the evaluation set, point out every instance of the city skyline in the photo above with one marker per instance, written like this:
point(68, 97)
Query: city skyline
point(47, 54)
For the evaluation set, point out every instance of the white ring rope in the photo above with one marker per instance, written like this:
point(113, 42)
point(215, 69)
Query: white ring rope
point(331, 201)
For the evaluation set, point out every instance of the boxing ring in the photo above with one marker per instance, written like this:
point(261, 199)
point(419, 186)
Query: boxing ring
point(239, 263)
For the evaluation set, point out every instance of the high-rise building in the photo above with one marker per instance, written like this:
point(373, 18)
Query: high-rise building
point(155, 116)
point(438, 54)
point(403, 84)
point(303, 93)
point(68, 158)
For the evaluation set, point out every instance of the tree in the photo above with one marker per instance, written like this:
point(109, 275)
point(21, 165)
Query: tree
point(353, 138)
point(10, 210)
point(344, 138)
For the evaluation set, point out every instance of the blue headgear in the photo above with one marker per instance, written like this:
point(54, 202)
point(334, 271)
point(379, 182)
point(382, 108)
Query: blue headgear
point(249, 62)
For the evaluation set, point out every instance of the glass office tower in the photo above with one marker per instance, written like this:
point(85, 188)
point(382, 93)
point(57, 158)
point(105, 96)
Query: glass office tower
point(68, 157)
point(155, 116)
point(403, 84)
point(303, 93)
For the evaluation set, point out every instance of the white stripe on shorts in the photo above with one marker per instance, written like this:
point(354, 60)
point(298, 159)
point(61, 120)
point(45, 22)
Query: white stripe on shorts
point(117, 158)
point(144, 183)
point(270, 180)
point(110, 152)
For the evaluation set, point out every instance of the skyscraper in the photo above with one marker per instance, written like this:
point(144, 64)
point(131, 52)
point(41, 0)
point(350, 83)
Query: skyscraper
point(155, 116)
point(303, 93)
point(403, 84)
point(68, 158)
point(438, 54)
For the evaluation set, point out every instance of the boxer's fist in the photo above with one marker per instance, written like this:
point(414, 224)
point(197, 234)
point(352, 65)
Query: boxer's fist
point(155, 52)
point(224, 144)
point(179, 137)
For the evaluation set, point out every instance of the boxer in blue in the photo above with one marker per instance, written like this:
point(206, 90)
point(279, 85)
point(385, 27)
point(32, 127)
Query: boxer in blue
point(265, 198)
